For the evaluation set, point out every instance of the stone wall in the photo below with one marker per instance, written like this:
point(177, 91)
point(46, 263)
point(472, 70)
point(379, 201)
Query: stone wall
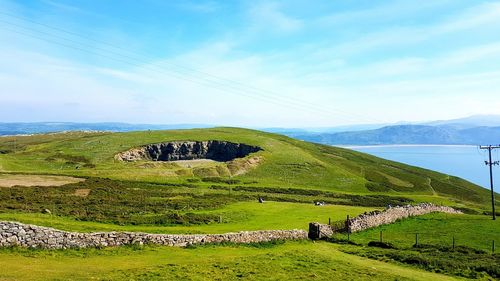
point(18, 234)
point(390, 215)
point(376, 218)
point(318, 230)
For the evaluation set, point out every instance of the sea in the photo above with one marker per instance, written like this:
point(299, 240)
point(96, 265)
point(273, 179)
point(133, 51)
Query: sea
point(467, 162)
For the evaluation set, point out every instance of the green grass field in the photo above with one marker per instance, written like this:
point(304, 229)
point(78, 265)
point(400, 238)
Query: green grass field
point(288, 261)
point(435, 229)
point(235, 217)
point(458, 245)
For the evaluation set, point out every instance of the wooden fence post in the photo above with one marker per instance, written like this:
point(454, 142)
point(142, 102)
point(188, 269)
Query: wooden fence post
point(348, 227)
point(381, 238)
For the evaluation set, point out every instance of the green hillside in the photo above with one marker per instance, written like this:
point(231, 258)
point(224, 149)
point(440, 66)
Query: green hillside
point(283, 163)
point(74, 181)
point(288, 261)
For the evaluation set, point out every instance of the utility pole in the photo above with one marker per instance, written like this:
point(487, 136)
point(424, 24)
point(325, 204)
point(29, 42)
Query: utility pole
point(491, 164)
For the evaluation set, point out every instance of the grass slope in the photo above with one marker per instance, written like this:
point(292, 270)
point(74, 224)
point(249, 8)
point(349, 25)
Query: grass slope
point(288, 261)
point(285, 163)
point(470, 257)
point(235, 217)
point(436, 229)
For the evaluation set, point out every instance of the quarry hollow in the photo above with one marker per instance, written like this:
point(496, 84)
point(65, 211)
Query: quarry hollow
point(221, 151)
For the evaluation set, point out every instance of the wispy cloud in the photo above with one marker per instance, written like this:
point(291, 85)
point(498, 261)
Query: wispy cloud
point(486, 15)
point(380, 12)
point(62, 6)
point(408, 71)
point(268, 16)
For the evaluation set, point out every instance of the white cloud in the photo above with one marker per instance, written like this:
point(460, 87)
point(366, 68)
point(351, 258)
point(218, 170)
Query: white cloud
point(266, 16)
point(485, 52)
point(335, 92)
point(389, 11)
point(61, 6)
point(484, 16)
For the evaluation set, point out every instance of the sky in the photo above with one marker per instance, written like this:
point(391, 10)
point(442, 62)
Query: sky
point(248, 63)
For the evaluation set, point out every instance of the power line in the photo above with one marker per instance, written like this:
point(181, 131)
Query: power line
point(274, 94)
point(176, 75)
point(235, 85)
point(491, 163)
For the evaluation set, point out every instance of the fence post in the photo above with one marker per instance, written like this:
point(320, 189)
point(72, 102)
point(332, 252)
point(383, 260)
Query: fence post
point(416, 239)
point(329, 221)
point(381, 238)
point(348, 226)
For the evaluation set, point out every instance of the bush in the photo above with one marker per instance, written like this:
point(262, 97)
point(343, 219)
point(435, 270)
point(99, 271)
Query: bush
point(463, 261)
point(383, 245)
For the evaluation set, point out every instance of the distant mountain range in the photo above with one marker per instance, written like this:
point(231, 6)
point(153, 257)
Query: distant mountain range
point(49, 127)
point(409, 134)
point(469, 122)
point(473, 130)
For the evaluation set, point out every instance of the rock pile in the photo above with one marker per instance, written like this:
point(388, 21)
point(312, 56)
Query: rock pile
point(18, 234)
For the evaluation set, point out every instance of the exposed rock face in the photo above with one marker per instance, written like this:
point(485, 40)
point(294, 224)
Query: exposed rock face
point(188, 150)
point(376, 218)
point(24, 235)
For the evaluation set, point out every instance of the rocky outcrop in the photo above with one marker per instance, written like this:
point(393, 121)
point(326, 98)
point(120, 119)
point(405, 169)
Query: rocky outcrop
point(376, 218)
point(18, 234)
point(188, 150)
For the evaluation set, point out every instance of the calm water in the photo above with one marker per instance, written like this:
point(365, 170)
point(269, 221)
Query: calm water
point(466, 162)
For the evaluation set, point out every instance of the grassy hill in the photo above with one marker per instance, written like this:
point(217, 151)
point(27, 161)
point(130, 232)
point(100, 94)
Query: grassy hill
point(72, 181)
point(283, 163)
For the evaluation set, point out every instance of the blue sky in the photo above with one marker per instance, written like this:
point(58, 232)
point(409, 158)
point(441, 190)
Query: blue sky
point(248, 63)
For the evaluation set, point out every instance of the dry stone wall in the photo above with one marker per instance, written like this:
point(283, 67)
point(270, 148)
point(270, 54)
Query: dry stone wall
point(318, 230)
point(24, 235)
point(392, 214)
point(376, 218)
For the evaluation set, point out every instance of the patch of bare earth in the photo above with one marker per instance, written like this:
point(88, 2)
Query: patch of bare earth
point(242, 166)
point(82, 192)
point(194, 163)
point(36, 180)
